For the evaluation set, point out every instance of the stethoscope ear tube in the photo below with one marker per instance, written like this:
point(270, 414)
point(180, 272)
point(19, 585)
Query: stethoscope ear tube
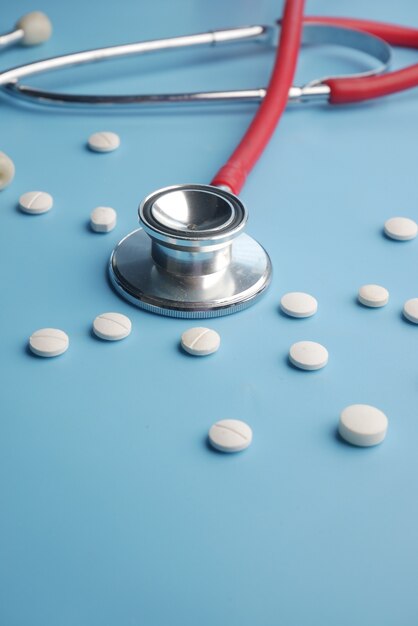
point(393, 34)
point(312, 34)
point(350, 90)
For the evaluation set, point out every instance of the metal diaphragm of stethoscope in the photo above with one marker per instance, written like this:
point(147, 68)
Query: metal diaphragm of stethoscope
point(191, 256)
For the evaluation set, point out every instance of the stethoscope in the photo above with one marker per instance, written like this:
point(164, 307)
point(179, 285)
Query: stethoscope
point(191, 256)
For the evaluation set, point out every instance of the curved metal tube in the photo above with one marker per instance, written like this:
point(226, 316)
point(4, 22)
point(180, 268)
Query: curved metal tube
point(230, 35)
point(313, 34)
point(309, 93)
point(8, 39)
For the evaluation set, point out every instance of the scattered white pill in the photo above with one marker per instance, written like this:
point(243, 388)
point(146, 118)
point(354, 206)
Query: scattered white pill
point(363, 425)
point(104, 141)
point(308, 355)
point(230, 435)
point(49, 342)
point(401, 228)
point(35, 202)
point(373, 296)
point(200, 341)
point(7, 170)
point(298, 304)
point(112, 326)
point(36, 27)
point(410, 310)
point(103, 219)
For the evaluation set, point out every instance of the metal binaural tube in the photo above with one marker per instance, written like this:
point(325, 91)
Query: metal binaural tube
point(231, 35)
point(14, 36)
point(315, 91)
point(310, 93)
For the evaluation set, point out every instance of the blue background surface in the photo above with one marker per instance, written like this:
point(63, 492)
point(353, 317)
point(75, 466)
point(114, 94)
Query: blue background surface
point(113, 508)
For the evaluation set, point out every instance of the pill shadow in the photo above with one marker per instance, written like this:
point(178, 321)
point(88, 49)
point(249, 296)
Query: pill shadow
point(93, 335)
point(207, 445)
point(291, 318)
point(335, 436)
point(28, 214)
point(364, 307)
point(179, 349)
point(392, 240)
point(286, 360)
point(405, 320)
point(28, 352)
point(87, 227)
point(195, 357)
point(89, 150)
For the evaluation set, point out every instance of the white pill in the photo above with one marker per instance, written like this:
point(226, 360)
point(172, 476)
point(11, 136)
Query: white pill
point(373, 295)
point(36, 202)
point(410, 310)
point(298, 304)
point(112, 326)
point(104, 141)
point(36, 27)
point(49, 342)
point(308, 355)
point(401, 228)
point(363, 425)
point(103, 219)
point(230, 435)
point(200, 341)
point(7, 170)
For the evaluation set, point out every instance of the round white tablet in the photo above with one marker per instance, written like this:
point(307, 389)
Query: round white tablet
point(308, 355)
point(200, 341)
point(7, 170)
point(103, 219)
point(35, 202)
point(104, 141)
point(373, 295)
point(36, 27)
point(410, 310)
point(401, 228)
point(49, 342)
point(230, 435)
point(298, 304)
point(363, 425)
point(112, 326)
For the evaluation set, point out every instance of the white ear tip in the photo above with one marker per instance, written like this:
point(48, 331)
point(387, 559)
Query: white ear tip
point(36, 28)
point(7, 170)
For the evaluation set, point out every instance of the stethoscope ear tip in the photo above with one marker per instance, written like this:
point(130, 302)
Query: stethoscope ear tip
point(7, 170)
point(36, 27)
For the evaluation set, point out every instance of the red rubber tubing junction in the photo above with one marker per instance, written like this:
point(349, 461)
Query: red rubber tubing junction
point(346, 90)
point(343, 90)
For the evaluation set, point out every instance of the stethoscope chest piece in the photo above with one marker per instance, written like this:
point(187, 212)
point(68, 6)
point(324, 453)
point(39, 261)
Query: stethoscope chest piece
point(191, 257)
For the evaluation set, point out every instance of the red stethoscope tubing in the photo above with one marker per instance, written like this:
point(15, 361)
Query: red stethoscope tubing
point(342, 90)
point(395, 35)
point(234, 173)
point(346, 90)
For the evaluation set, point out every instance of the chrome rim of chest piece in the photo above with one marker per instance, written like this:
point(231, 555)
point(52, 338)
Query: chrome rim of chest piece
point(191, 257)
